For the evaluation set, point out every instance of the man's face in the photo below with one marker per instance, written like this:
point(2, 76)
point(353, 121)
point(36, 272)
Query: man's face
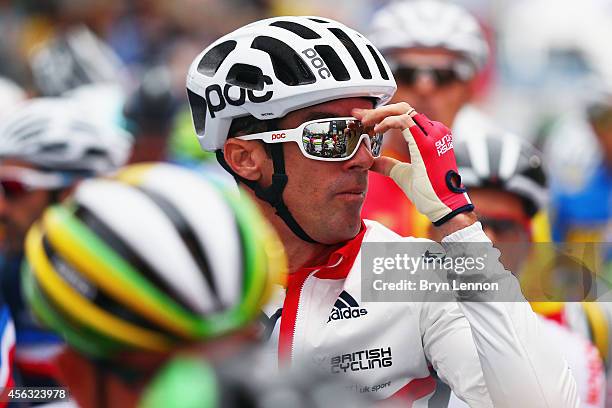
point(506, 224)
point(19, 211)
point(436, 94)
point(326, 197)
point(502, 214)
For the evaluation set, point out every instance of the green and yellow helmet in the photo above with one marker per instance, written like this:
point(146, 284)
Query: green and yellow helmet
point(151, 258)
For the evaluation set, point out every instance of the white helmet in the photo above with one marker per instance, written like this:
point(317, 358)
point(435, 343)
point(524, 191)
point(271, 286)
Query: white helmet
point(500, 160)
point(54, 134)
point(429, 24)
point(274, 66)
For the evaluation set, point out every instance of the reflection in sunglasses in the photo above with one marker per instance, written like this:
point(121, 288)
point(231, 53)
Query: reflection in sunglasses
point(338, 138)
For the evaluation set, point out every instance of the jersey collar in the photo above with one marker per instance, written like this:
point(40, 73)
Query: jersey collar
point(339, 262)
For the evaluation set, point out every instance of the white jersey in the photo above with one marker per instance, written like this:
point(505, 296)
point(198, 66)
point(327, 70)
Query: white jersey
point(490, 354)
point(583, 359)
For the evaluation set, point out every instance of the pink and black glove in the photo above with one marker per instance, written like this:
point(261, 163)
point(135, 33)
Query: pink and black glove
point(431, 180)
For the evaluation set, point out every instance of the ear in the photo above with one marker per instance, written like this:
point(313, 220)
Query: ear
point(247, 158)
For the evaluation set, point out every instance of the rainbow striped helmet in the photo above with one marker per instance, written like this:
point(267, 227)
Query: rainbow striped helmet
point(154, 257)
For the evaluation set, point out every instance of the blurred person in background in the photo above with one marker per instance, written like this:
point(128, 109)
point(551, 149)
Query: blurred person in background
point(47, 146)
point(507, 183)
point(149, 114)
point(10, 95)
point(255, 95)
point(437, 70)
point(582, 186)
point(134, 269)
point(436, 51)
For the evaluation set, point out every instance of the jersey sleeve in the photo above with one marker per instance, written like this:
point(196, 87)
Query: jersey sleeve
point(448, 345)
point(519, 367)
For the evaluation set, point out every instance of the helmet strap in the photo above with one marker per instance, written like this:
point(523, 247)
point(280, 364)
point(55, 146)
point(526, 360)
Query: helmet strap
point(273, 194)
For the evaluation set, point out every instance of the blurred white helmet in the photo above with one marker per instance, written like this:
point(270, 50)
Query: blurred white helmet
point(57, 135)
point(10, 95)
point(274, 66)
point(106, 100)
point(429, 24)
point(489, 157)
point(74, 58)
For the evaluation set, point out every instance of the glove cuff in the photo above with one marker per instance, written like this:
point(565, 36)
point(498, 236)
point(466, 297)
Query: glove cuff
point(465, 208)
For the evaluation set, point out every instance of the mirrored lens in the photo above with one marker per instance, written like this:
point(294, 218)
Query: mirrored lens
point(338, 139)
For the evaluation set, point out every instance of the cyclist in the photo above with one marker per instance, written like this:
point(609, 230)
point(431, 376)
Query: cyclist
point(134, 268)
point(46, 147)
point(149, 114)
point(438, 54)
point(270, 80)
point(582, 189)
point(10, 94)
point(507, 184)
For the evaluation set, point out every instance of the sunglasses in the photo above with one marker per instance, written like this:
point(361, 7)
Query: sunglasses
point(505, 227)
point(333, 139)
point(441, 76)
point(18, 181)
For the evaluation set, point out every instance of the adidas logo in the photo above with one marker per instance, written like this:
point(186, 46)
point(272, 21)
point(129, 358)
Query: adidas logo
point(346, 307)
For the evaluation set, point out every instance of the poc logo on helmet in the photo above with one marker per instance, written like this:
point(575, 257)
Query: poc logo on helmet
point(276, 136)
point(317, 62)
point(217, 99)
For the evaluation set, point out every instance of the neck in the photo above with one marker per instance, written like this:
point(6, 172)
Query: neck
point(301, 253)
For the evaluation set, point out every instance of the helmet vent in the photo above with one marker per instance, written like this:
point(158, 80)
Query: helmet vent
point(212, 60)
point(53, 147)
point(27, 130)
point(379, 64)
point(353, 51)
point(333, 62)
point(318, 20)
point(303, 31)
point(198, 111)
point(289, 68)
point(494, 150)
point(246, 76)
point(95, 152)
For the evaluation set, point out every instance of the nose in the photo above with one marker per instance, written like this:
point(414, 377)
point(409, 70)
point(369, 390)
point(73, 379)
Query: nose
point(362, 160)
point(424, 84)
